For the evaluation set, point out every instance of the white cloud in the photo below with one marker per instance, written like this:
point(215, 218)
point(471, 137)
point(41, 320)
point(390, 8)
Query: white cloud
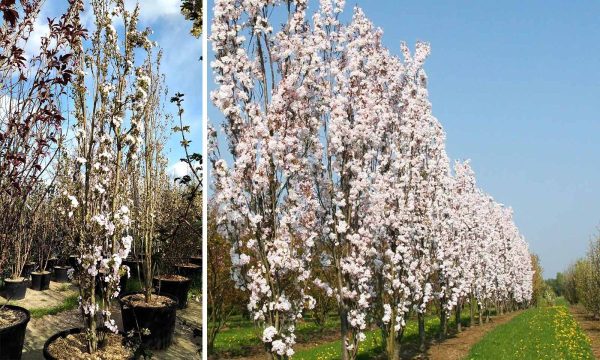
point(179, 169)
point(151, 10)
point(40, 29)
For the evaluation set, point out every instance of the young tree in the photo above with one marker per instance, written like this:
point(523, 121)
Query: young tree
point(265, 197)
point(111, 105)
point(32, 99)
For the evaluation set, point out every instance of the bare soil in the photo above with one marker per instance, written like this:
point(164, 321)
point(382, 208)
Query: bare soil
point(458, 345)
point(74, 347)
point(589, 325)
point(138, 300)
point(172, 277)
point(189, 266)
point(9, 317)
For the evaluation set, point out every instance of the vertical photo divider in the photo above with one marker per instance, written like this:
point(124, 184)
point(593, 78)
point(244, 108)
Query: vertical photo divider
point(204, 63)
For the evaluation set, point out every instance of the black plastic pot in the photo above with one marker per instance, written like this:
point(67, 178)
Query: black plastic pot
point(40, 280)
point(13, 337)
point(174, 287)
point(73, 261)
point(15, 289)
point(62, 334)
point(61, 274)
point(196, 260)
point(27, 269)
point(51, 263)
point(160, 322)
point(188, 270)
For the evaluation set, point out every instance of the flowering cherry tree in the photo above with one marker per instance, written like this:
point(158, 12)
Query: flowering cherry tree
point(109, 112)
point(265, 196)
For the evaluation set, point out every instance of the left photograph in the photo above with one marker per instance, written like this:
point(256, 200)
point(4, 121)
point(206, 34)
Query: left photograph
point(100, 179)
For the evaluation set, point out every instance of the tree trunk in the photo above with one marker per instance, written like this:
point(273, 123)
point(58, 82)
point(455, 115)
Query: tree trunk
point(472, 311)
point(392, 339)
point(443, 324)
point(487, 312)
point(458, 319)
point(421, 320)
point(344, 332)
point(479, 308)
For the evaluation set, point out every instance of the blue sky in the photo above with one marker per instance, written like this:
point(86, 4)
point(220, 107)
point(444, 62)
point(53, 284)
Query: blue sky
point(180, 63)
point(516, 87)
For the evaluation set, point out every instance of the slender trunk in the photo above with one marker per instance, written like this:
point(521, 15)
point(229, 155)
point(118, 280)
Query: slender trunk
point(472, 311)
point(479, 309)
point(344, 332)
point(392, 345)
point(421, 320)
point(93, 337)
point(443, 324)
point(457, 318)
point(487, 312)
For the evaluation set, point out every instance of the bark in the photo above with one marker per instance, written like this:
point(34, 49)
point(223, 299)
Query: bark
point(421, 320)
point(472, 311)
point(443, 325)
point(457, 318)
point(344, 332)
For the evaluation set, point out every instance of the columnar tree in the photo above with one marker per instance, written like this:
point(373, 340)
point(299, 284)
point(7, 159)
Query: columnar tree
point(265, 195)
point(110, 98)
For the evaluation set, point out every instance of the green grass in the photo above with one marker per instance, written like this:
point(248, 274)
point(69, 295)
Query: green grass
point(69, 303)
point(538, 333)
point(242, 335)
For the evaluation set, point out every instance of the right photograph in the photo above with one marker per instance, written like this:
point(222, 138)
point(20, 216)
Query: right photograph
point(402, 180)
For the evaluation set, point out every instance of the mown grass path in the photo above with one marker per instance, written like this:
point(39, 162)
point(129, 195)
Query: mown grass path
point(538, 333)
point(457, 347)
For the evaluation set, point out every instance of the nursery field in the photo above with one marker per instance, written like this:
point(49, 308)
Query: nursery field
point(545, 332)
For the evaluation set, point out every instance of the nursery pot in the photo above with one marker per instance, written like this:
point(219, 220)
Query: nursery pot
point(196, 260)
point(27, 269)
point(188, 270)
point(40, 280)
point(15, 289)
point(61, 274)
point(64, 334)
point(13, 336)
point(51, 263)
point(176, 285)
point(73, 262)
point(160, 320)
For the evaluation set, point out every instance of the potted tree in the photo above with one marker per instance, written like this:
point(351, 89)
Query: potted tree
point(151, 316)
point(109, 107)
point(182, 231)
point(31, 89)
